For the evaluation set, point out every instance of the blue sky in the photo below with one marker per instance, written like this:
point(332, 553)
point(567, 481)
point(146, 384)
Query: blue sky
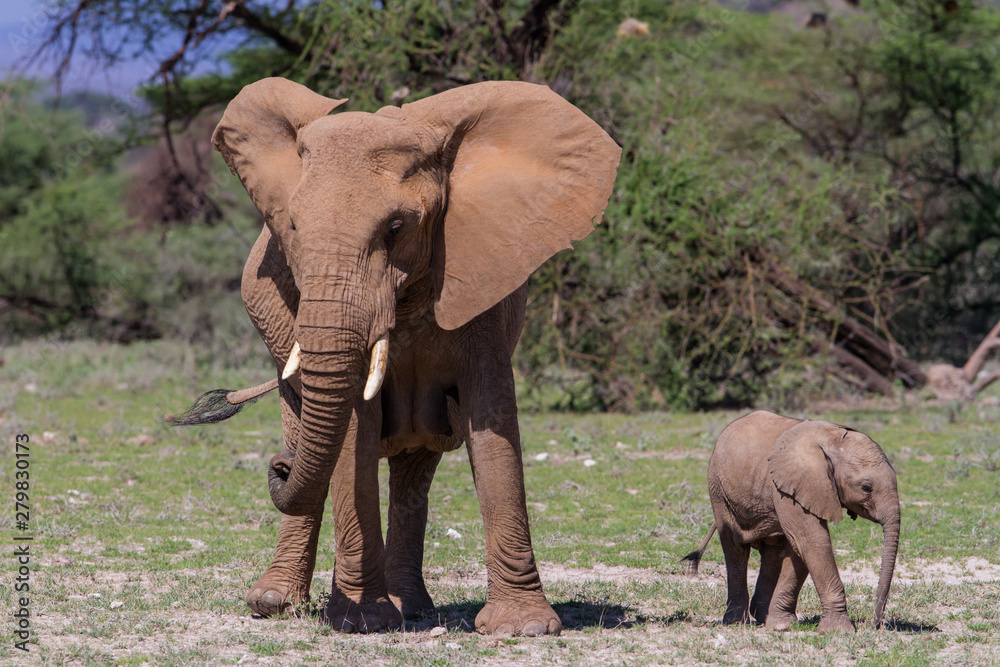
point(21, 22)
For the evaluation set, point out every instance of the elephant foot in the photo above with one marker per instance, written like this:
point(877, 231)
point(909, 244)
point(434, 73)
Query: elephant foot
point(758, 612)
point(780, 621)
point(276, 593)
point(346, 615)
point(836, 623)
point(736, 616)
point(411, 601)
point(528, 618)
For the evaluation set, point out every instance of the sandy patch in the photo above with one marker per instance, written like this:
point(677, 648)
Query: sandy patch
point(911, 571)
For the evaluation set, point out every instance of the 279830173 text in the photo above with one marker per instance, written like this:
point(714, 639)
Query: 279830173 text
point(22, 550)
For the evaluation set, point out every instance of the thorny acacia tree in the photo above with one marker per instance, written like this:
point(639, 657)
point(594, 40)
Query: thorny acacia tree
point(377, 53)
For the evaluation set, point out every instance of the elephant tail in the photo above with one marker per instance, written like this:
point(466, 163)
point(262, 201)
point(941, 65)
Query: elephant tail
point(694, 558)
point(221, 404)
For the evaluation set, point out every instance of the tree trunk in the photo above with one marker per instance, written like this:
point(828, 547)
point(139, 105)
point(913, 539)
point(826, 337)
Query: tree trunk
point(855, 345)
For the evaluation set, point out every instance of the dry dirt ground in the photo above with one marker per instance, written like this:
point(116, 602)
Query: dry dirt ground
point(101, 622)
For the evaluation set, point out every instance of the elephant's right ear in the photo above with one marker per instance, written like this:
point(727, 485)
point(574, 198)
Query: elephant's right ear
point(800, 469)
point(257, 137)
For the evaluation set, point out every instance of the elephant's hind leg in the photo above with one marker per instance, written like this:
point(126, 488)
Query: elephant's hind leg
point(737, 558)
point(792, 574)
point(410, 476)
point(770, 569)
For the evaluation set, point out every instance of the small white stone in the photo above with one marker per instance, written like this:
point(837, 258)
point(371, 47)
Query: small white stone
point(31, 388)
point(552, 442)
point(454, 534)
point(116, 604)
point(720, 641)
point(437, 544)
point(72, 492)
point(438, 631)
point(453, 646)
point(93, 595)
point(542, 456)
point(589, 462)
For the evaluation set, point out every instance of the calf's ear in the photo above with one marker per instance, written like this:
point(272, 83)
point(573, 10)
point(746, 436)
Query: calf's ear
point(800, 469)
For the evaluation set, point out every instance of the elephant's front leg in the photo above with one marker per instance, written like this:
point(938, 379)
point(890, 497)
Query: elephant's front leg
point(286, 582)
point(271, 299)
point(810, 539)
point(410, 476)
point(359, 601)
point(515, 603)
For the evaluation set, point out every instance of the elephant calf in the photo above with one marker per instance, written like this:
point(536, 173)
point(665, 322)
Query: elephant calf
point(775, 482)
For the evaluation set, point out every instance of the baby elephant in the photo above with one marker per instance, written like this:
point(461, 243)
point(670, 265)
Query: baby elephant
point(775, 482)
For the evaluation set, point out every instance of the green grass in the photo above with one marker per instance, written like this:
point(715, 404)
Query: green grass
point(148, 537)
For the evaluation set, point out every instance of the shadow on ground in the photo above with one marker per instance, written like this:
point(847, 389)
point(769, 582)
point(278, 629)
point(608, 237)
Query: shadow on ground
point(891, 625)
point(575, 615)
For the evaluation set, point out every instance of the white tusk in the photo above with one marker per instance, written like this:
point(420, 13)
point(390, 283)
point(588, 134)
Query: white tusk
point(294, 361)
point(376, 372)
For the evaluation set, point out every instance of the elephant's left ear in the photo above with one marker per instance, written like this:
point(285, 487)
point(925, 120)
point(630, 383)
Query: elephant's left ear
point(800, 469)
point(528, 174)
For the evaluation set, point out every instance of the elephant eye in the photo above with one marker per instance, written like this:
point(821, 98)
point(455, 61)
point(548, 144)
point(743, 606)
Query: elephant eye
point(392, 231)
point(866, 487)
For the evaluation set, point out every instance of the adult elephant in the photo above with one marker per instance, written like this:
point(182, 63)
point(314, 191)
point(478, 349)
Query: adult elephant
point(405, 236)
point(775, 482)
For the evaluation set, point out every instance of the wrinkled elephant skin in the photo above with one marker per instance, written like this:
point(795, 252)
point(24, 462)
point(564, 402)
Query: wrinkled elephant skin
point(775, 483)
point(407, 235)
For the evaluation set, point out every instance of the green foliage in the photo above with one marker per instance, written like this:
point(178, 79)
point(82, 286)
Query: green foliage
point(33, 145)
point(859, 160)
point(424, 46)
point(937, 110)
point(855, 160)
point(58, 205)
point(74, 263)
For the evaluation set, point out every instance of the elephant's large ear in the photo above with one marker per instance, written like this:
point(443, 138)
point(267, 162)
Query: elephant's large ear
point(257, 138)
point(800, 469)
point(529, 173)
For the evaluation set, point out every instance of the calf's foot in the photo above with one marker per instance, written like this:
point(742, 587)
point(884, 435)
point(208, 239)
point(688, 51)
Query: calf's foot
point(780, 621)
point(836, 623)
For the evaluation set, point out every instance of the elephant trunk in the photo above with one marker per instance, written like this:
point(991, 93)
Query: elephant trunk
point(333, 334)
point(889, 518)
